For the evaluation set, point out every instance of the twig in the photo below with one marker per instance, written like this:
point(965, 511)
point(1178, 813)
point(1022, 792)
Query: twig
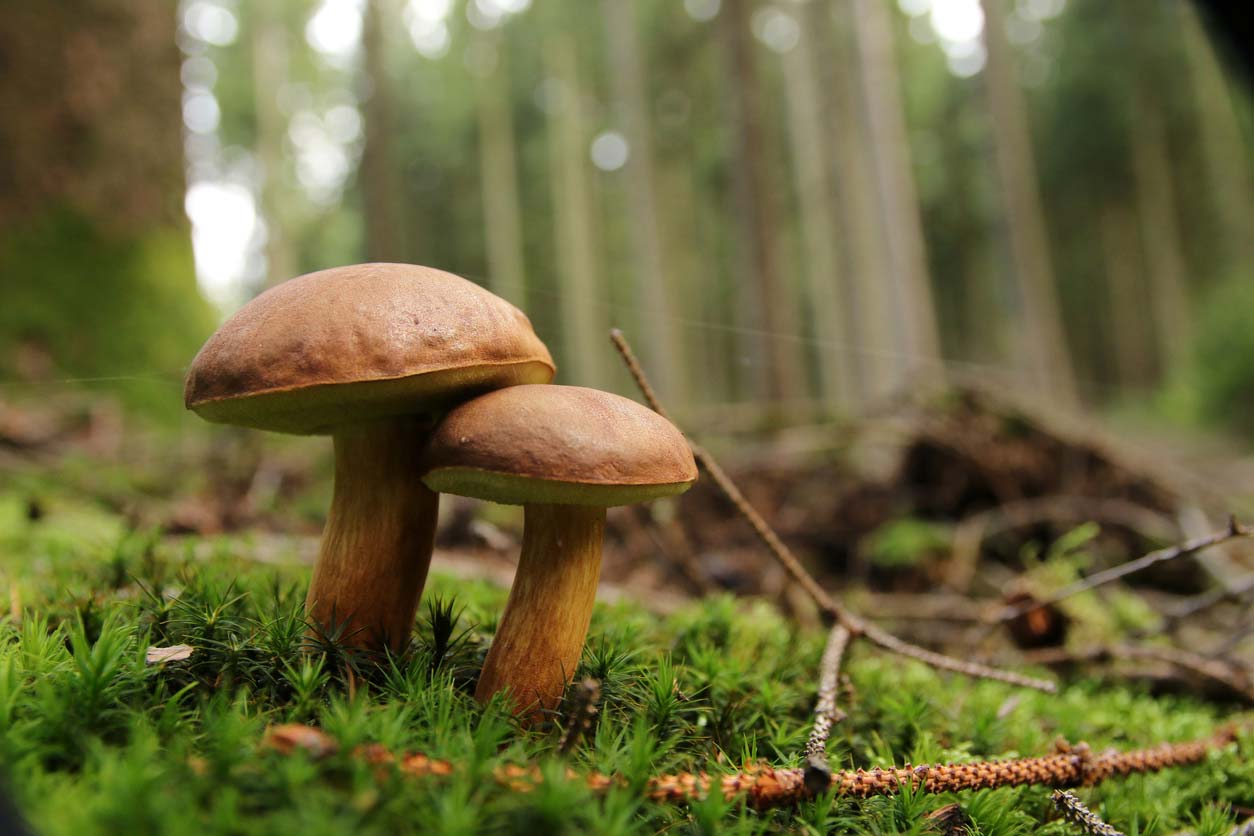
point(583, 712)
point(826, 714)
point(788, 560)
point(890, 642)
point(818, 773)
point(1233, 531)
point(1192, 606)
point(1216, 670)
point(764, 787)
point(1074, 811)
point(971, 532)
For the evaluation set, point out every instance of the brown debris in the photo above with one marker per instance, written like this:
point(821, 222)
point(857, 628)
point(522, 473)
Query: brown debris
point(292, 737)
point(173, 653)
point(950, 820)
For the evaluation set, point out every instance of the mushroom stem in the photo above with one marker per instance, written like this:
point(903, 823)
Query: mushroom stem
point(542, 630)
point(378, 539)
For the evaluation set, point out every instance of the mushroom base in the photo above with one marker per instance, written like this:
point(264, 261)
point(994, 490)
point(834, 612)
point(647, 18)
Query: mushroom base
point(377, 544)
point(542, 630)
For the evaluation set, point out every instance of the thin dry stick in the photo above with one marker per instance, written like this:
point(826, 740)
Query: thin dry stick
point(826, 714)
point(763, 787)
point(1234, 531)
point(582, 714)
point(1217, 670)
point(1192, 606)
point(818, 772)
point(788, 560)
point(1074, 811)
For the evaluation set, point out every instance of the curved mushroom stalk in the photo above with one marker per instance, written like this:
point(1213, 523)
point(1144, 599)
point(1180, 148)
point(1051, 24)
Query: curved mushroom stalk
point(380, 532)
point(565, 453)
point(541, 633)
point(361, 353)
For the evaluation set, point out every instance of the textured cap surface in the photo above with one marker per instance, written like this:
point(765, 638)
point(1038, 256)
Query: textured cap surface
point(559, 444)
point(361, 342)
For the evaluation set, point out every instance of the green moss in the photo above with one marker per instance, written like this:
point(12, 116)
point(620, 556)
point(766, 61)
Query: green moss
point(104, 306)
point(93, 740)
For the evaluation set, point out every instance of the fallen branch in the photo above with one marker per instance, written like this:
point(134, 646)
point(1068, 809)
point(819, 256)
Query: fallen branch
point(826, 714)
point(970, 534)
point(1198, 603)
point(1217, 670)
point(1074, 811)
point(1234, 531)
point(763, 786)
point(582, 713)
point(854, 624)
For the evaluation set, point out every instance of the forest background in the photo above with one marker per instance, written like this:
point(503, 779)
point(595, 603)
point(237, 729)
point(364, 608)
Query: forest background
point(796, 208)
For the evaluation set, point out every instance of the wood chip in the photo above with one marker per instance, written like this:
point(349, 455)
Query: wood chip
point(173, 653)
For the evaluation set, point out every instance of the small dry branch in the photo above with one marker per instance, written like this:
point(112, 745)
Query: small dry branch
point(1074, 811)
point(855, 625)
point(1234, 531)
point(764, 787)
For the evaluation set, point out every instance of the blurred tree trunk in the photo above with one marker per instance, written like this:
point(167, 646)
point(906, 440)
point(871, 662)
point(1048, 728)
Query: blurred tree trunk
point(95, 256)
point(1049, 358)
point(583, 314)
point(1130, 340)
point(902, 227)
point(660, 343)
point(1160, 234)
point(1225, 153)
point(690, 229)
point(873, 340)
point(498, 169)
point(769, 297)
point(384, 215)
point(828, 303)
point(270, 56)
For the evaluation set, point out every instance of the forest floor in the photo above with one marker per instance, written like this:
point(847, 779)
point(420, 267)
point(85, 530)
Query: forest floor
point(114, 542)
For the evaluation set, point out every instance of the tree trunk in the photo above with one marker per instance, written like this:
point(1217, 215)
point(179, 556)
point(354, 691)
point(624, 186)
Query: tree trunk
point(1160, 233)
point(836, 360)
point(1130, 341)
point(1048, 357)
point(872, 331)
point(899, 203)
point(269, 45)
point(583, 314)
point(92, 196)
point(380, 184)
point(1225, 153)
point(661, 345)
point(498, 173)
point(769, 297)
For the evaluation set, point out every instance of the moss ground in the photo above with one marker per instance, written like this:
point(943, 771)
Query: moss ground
point(94, 740)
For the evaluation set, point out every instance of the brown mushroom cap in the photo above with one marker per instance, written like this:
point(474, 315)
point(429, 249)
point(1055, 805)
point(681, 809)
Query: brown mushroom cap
point(361, 342)
point(557, 444)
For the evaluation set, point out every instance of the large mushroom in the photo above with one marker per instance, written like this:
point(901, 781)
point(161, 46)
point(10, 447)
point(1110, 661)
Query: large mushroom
point(565, 453)
point(370, 354)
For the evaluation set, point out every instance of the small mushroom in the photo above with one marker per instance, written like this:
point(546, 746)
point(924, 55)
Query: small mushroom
point(370, 354)
point(565, 453)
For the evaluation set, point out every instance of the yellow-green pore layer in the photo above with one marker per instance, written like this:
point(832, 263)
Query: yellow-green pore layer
point(361, 342)
point(560, 445)
point(511, 489)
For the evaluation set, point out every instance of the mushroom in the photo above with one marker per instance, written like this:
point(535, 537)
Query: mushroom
point(370, 354)
point(565, 453)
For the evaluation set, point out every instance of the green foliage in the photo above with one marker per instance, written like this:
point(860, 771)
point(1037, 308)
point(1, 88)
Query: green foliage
point(1224, 377)
point(905, 542)
point(93, 740)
